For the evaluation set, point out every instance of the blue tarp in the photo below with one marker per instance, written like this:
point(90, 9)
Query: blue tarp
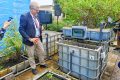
point(12, 8)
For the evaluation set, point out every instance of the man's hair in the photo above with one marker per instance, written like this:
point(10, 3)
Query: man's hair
point(34, 5)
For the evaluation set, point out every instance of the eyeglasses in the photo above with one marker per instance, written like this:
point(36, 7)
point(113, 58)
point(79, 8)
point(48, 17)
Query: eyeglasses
point(36, 8)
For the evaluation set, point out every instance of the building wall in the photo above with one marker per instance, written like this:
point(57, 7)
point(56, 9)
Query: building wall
point(47, 7)
point(44, 2)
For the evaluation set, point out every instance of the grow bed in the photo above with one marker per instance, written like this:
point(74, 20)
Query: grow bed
point(48, 75)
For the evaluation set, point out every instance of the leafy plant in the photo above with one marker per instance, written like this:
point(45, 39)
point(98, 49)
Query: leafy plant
point(56, 27)
point(90, 11)
point(49, 75)
point(1, 67)
point(12, 42)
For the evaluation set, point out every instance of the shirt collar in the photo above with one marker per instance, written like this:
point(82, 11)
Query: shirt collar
point(32, 15)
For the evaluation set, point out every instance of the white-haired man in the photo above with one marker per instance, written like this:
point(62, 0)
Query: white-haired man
point(31, 31)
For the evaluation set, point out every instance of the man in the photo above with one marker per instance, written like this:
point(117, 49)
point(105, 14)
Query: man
point(3, 30)
point(31, 31)
point(117, 33)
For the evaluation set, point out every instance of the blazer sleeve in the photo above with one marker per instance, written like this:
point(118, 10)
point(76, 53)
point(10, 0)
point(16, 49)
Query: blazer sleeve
point(22, 27)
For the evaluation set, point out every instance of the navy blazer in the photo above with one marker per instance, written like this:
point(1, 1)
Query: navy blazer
point(27, 28)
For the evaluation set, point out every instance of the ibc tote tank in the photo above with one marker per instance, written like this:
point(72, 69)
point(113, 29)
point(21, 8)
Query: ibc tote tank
point(84, 61)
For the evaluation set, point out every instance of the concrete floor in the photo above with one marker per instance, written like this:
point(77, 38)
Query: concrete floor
point(116, 72)
point(112, 72)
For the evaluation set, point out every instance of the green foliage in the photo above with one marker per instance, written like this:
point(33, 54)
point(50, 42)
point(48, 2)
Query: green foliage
point(55, 27)
point(90, 11)
point(12, 42)
point(49, 75)
point(1, 67)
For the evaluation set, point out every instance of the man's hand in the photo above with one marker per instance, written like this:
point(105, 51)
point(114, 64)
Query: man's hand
point(6, 24)
point(34, 40)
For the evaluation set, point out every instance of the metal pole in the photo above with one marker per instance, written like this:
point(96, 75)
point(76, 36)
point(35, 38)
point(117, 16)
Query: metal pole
point(57, 21)
point(46, 26)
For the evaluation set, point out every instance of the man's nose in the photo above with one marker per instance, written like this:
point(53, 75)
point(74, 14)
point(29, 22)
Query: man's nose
point(37, 11)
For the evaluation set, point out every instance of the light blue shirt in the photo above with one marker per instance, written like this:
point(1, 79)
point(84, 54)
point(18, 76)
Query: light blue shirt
point(37, 34)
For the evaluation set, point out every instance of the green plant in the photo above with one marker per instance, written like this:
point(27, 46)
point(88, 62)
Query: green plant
point(1, 67)
point(90, 11)
point(56, 27)
point(12, 42)
point(49, 75)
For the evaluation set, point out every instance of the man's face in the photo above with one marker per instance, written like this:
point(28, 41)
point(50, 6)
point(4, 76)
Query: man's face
point(35, 10)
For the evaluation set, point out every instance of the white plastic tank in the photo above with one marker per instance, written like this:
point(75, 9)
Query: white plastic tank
point(83, 60)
